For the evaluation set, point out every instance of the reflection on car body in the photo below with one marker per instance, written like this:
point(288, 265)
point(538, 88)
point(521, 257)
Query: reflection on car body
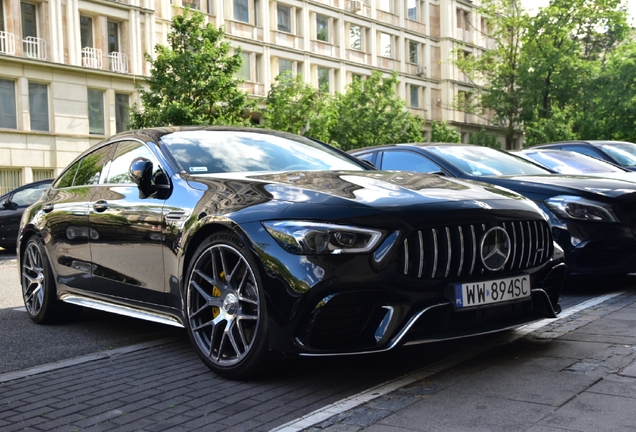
point(258, 241)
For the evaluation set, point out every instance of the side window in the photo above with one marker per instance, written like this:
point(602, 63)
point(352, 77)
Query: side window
point(582, 149)
point(91, 167)
point(28, 196)
point(66, 180)
point(408, 161)
point(126, 152)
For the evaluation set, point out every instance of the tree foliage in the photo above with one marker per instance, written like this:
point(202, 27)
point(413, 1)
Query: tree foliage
point(370, 113)
point(443, 133)
point(193, 79)
point(485, 139)
point(495, 73)
point(295, 106)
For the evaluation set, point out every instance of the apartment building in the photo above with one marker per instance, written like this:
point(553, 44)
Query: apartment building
point(69, 68)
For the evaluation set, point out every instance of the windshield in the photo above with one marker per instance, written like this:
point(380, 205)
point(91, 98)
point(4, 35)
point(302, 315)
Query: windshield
point(484, 161)
point(209, 151)
point(623, 153)
point(565, 162)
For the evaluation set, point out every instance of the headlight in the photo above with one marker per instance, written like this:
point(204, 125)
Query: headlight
point(311, 238)
point(573, 207)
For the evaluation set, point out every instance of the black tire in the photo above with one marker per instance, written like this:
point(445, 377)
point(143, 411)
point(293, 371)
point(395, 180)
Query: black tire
point(38, 287)
point(226, 318)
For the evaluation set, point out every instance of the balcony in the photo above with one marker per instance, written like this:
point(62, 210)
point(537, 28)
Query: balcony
point(118, 62)
point(253, 88)
point(7, 43)
point(92, 58)
point(34, 47)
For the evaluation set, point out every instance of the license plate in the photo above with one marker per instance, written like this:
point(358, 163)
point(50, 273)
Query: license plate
point(492, 291)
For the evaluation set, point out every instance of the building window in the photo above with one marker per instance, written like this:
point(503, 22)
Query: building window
point(414, 96)
point(386, 45)
point(113, 37)
point(122, 102)
point(355, 40)
point(285, 66)
point(9, 180)
point(241, 10)
point(384, 5)
point(8, 116)
point(42, 174)
point(414, 52)
point(29, 20)
point(411, 9)
point(322, 28)
point(86, 31)
point(96, 112)
point(324, 79)
point(246, 70)
point(2, 16)
point(192, 4)
point(284, 14)
point(39, 106)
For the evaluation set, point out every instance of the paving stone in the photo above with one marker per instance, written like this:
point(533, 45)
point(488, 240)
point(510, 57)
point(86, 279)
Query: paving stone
point(595, 412)
point(616, 385)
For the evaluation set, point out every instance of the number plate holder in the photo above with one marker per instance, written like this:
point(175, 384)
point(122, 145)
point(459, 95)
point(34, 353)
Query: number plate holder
point(492, 291)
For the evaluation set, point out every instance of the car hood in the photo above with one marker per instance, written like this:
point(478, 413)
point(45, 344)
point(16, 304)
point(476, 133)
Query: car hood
point(544, 186)
point(356, 187)
point(332, 194)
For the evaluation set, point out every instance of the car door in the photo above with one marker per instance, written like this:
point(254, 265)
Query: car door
point(126, 246)
point(65, 219)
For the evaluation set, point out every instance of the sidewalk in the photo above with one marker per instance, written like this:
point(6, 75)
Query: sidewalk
point(576, 373)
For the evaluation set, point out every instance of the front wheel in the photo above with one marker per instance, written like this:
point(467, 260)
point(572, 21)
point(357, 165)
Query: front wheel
point(38, 287)
point(225, 310)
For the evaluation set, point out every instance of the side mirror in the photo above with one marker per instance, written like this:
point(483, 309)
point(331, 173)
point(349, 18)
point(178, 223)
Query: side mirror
point(149, 183)
point(369, 164)
point(9, 205)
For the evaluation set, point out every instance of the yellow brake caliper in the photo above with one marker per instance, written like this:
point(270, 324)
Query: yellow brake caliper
point(216, 293)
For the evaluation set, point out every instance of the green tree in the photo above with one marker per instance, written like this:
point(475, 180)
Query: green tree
point(295, 106)
point(192, 79)
point(612, 111)
point(443, 133)
point(564, 50)
point(370, 113)
point(495, 73)
point(485, 139)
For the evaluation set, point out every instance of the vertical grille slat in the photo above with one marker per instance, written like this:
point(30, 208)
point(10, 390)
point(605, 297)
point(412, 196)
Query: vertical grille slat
point(421, 268)
point(449, 252)
point(454, 251)
point(435, 253)
point(472, 266)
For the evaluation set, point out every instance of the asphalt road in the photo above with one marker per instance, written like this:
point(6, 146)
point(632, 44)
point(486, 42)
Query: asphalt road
point(24, 344)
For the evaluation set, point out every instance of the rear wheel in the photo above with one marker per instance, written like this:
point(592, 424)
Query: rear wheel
point(226, 316)
point(38, 287)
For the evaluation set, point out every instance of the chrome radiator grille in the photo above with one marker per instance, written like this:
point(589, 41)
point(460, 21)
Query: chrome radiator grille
point(454, 251)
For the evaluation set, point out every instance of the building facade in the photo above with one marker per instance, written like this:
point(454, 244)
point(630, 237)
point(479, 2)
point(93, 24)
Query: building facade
point(69, 68)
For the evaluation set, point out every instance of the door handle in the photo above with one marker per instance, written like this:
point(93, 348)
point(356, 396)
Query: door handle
point(100, 206)
point(47, 208)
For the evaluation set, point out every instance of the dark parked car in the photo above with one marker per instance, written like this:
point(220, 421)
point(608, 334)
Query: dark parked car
point(617, 152)
point(593, 219)
point(13, 205)
point(569, 162)
point(259, 241)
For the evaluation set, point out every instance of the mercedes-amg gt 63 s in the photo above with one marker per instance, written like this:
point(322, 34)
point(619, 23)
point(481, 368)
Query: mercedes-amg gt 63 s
point(261, 242)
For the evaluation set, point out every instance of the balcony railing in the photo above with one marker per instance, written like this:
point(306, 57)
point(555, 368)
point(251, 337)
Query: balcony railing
point(34, 47)
point(118, 62)
point(92, 58)
point(7, 43)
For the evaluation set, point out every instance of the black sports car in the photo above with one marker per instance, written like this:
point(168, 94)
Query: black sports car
point(621, 153)
point(14, 203)
point(258, 241)
point(593, 219)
